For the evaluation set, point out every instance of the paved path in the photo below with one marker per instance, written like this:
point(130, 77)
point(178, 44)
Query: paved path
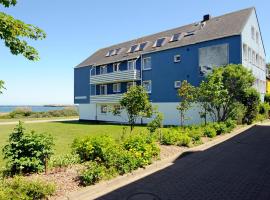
point(237, 169)
point(38, 121)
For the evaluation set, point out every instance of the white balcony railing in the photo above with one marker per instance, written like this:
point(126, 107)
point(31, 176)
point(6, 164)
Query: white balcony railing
point(110, 98)
point(119, 76)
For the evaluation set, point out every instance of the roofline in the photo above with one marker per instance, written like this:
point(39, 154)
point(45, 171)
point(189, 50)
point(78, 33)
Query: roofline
point(160, 51)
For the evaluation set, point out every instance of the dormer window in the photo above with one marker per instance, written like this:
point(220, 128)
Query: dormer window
point(159, 42)
point(175, 37)
point(109, 53)
point(141, 46)
point(189, 33)
point(132, 48)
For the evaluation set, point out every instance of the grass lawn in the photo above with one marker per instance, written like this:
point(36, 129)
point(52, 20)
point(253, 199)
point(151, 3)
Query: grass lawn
point(65, 132)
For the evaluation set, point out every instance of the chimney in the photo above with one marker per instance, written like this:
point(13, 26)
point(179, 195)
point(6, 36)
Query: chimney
point(206, 17)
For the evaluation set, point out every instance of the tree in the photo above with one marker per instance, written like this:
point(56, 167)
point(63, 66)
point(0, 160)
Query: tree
point(13, 32)
point(2, 86)
point(225, 89)
point(187, 94)
point(136, 103)
point(27, 152)
point(157, 122)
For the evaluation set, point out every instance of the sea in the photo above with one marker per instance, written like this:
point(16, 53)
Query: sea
point(6, 109)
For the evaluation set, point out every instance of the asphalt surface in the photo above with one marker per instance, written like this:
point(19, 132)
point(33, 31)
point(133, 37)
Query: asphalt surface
point(237, 169)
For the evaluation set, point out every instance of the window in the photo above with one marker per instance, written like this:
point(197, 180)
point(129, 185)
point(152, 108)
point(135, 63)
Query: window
point(189, 33)
point(117, 87)
point(147, 63)
point(117, 109)
point(175, 37)
point(103, 109)
point(177, 58)
point(141, 46)
point(147, 86)
point(249, 55)
point(103, 89)
point(116, 67)
point(130, 84)
point(253, 33)
point(131, 64)
point(253, 57)
point(257, 60)
point(103, 69)
point(245, 51)
point(132, 48)
point(177, 84)
point(109, 53)
point(159, 42)
point(257, 37)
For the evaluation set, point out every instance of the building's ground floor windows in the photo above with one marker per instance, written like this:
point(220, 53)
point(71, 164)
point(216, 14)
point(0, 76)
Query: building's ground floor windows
point(147, 86)
point(104, 109)
point(117, 87)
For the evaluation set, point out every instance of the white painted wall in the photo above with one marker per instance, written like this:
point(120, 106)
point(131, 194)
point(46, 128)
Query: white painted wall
point(257, 69)
point(87, 111)
point(171, 114)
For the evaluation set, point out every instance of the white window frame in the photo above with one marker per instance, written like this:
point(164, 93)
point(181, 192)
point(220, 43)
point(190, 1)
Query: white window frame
point(117, 87)
point(104, 67)
point(144, 63)
point(133, 64)
point(249, 54)
point(177, 58)
point(150, 87)
point(117, 65)
point(155, 44)
point(103, 109)
point(130, 84)
point(245, 51)
point(105, 89)
point(177, 84)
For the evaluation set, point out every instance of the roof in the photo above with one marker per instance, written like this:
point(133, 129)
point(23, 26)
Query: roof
point(215, 28)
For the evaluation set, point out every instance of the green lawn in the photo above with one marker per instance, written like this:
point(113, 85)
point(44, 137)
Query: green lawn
point(65, 132)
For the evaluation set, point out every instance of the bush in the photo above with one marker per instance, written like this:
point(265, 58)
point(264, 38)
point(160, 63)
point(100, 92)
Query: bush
point(251, 100)
point(64, 160)
point(21, 188)
point(26, 152)
point(209, 132)
point(93, 173)
point(143, 147)
point(175, 137)
point(264, 110)
point(267, 98)
point(220, 127)
point(156, 123)
point(195, 133)
point(230, 124)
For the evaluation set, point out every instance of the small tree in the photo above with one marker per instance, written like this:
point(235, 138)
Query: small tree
point(187, 94)
point(157, 122)
point(136, 104)
point(27, 152)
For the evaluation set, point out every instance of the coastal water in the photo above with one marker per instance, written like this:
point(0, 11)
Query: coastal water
point(5, 109)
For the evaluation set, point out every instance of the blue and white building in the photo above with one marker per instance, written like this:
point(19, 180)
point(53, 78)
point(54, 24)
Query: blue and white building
point(161, 61)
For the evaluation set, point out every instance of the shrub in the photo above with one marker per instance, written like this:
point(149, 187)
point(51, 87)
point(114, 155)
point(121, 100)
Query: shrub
point(93, 173)
point(21, 188)
point(230, 124)
point(175, 137)
point(26, 152)
point(220, 127)
point(195, 133)
point(209, 132)
point(251, 101)
point(143, 147)
point(267, 98)
point(156, 123)
point(264, 110)
point(64, 160)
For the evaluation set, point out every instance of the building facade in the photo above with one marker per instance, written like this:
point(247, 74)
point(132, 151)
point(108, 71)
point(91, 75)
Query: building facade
point(160, 62)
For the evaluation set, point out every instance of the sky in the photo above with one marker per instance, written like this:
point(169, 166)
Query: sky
point(76, 29)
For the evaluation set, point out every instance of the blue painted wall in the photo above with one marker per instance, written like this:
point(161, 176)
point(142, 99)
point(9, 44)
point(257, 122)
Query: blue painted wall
point(164, 71)
point(81, 84)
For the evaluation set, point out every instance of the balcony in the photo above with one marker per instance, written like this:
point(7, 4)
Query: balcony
point(119, 76)
point(110, 98)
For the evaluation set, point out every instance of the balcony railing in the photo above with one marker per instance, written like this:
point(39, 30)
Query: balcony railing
point(119, 76)
point(110, 98)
